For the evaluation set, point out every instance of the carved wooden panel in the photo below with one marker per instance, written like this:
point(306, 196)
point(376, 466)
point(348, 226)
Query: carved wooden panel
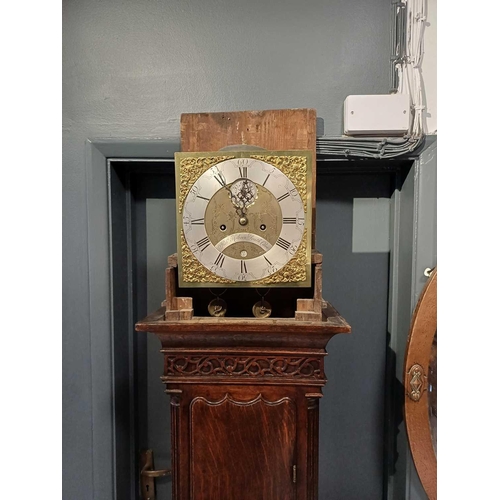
point(185, 365)
point(239, 447)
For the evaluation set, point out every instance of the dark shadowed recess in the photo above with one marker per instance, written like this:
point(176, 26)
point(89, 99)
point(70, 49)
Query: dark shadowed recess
point(357, 423)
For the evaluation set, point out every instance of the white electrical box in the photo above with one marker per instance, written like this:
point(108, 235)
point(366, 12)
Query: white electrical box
point(377, 114)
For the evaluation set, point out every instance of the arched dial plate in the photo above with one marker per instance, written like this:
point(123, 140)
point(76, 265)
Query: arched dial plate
point(244, 220)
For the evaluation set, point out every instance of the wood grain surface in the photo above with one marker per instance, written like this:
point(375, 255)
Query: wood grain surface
point(244, 442)
point(418, 354)
point(240, 446)
point(244, 404)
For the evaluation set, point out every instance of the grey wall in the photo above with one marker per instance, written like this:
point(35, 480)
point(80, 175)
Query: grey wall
point(130, 68)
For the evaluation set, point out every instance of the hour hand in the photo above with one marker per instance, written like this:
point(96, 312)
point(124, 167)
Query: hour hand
point(243, 194)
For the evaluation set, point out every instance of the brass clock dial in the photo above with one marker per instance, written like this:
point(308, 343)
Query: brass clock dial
point(243, 220)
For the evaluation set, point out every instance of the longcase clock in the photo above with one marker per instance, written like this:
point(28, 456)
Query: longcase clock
point(245, 377)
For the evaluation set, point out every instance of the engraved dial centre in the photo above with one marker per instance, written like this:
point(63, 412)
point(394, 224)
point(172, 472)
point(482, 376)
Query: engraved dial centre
point(243, 236)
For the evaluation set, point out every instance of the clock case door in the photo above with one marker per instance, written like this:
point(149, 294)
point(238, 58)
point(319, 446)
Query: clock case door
point(235, 442)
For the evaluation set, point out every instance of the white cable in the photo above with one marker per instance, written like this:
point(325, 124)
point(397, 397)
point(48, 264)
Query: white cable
point(409, 71)
point(409, 82)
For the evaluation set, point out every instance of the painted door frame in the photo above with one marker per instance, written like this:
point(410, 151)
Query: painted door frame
point(98, 154)
point(413, 248)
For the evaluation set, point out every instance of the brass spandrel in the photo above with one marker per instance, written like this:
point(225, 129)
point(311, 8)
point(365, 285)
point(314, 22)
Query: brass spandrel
point(294, 167)
point(193, 271)
point(191, 168)
point(293, 271)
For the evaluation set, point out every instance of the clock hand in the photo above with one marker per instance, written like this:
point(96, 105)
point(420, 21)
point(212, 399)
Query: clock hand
point(243, 194)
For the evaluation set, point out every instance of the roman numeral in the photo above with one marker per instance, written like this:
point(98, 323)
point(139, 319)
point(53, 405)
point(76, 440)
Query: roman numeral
point(204, 243)
point(265, 180)
point(220, 179)
point(243, 267)
point(243, 171)
point(283, 196)
point(203, 198)
point(267, 260)
point(289, 220)
point(219, 261)
point(198, 222)
point(285, 245)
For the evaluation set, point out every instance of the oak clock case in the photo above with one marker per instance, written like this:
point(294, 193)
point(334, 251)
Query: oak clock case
point(244, 391)
point(244, 219)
